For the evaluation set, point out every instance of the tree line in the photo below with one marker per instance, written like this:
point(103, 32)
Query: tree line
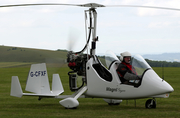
point(154, 63)
point(162, 63)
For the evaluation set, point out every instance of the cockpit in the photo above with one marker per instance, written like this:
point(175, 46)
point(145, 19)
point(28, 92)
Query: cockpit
point(137, 62)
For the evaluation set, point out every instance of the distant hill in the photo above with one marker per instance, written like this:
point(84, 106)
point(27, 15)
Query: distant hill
point(163, 57)
point(18, 54)
point(30, 55)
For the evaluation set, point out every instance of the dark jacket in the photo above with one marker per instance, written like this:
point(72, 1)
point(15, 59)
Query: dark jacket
point(123, 68)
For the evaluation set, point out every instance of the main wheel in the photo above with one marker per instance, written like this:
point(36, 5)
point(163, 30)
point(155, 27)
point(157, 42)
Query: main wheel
point(113, 103)
point(150, 103)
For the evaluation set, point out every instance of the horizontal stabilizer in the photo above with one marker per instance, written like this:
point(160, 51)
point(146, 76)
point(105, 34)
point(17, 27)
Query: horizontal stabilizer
point(16, 89)
point(42, 95)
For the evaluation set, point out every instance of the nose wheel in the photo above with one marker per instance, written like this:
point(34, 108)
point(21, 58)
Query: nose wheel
point(150, 104)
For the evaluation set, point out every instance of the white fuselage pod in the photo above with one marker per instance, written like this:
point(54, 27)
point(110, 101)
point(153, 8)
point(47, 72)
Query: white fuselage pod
point(97, 86)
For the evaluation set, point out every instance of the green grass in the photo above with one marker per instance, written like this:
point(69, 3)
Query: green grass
point(13, 64)
point(50, 108)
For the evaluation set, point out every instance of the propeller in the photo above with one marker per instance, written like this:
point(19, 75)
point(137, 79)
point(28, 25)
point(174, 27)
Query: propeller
point(72, 38)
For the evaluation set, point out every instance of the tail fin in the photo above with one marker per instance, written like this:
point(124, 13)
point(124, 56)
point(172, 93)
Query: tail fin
point(16, 87)
point(57, 87)
point(37, 81)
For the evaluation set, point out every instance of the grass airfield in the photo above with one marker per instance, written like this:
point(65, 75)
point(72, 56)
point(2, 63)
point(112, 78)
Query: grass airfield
point(50, 108)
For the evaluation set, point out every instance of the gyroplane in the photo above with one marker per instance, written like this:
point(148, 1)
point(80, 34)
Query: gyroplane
point(98, 80)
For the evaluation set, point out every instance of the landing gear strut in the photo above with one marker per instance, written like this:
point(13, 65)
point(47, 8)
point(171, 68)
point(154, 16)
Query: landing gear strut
point(150, 104)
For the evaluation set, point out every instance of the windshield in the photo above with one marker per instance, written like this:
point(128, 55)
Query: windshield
point(137, 62)
point(110, 57)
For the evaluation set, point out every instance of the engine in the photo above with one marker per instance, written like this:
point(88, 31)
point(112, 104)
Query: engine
point(77, 63)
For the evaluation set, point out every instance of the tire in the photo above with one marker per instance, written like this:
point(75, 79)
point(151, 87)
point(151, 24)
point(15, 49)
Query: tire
point(150, 103)
point(113, 104)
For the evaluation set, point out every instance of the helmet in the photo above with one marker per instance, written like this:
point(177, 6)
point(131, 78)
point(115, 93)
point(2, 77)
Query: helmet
point(124, 54)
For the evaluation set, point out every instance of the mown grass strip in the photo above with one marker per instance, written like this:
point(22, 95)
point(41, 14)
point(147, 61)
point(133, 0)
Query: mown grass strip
point(50, 108)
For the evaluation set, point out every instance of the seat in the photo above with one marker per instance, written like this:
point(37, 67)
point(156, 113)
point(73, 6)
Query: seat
point(103, 72)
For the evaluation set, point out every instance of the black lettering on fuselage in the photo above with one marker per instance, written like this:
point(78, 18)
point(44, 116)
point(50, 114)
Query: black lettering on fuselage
point(114, 89)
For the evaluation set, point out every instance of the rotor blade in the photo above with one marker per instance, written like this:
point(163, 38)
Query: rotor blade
point(92, 5)
point(38, 4)
point(138, 6)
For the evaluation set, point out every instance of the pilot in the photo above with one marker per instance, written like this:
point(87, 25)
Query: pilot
point(126, 70)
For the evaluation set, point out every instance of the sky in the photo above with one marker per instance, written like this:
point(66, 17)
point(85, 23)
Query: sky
point(137, 30)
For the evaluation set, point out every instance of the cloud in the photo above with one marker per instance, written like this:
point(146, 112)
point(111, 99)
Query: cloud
point(118, 29)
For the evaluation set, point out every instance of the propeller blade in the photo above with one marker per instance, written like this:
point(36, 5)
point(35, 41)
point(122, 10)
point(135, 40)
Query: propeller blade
point(71, 41)
point(73, 38)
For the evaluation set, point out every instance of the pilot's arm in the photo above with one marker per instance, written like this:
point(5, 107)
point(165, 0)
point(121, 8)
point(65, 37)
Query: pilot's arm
point(126, 74)
point(130, 76)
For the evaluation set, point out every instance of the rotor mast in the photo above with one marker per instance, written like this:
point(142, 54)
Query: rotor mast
point(93, 14)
